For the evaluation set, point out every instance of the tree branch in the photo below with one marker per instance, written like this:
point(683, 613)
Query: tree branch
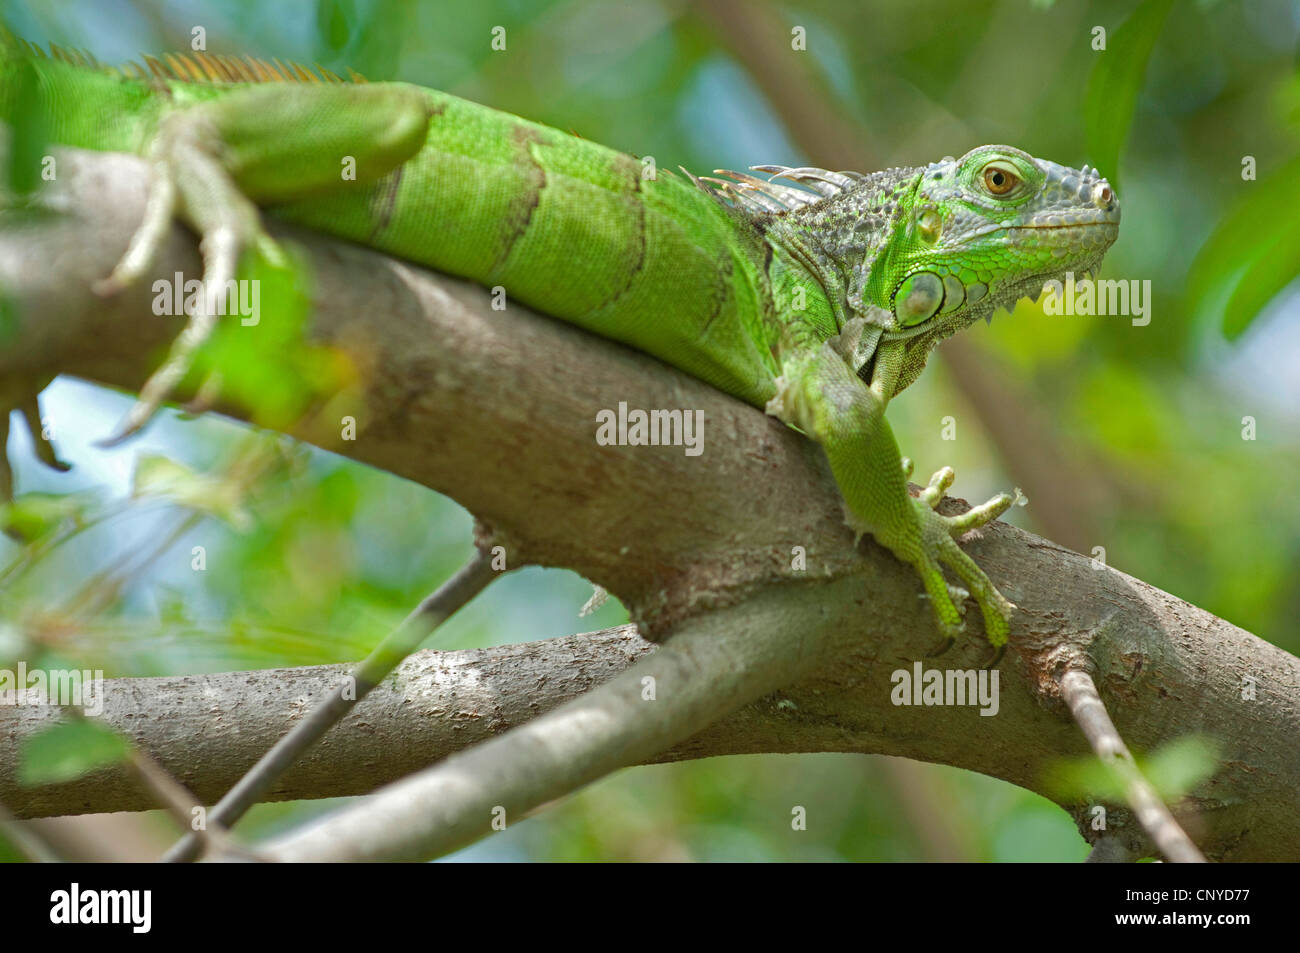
point(498, 411)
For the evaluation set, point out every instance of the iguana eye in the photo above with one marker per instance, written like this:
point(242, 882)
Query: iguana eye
point(998, 180)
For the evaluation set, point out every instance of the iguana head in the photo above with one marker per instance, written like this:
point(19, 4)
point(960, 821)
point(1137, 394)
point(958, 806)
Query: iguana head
point(980, 232)
point(926, 251)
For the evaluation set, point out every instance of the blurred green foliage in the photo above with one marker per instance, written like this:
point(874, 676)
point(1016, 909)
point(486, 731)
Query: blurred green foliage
point(1116, 82)
point(1173, 770)
point(69, 750)
point(325, 555)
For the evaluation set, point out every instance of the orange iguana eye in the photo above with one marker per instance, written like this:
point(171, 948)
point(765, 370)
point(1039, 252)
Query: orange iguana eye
point(999, 181)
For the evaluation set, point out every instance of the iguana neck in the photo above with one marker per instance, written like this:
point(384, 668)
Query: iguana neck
point(839, 239)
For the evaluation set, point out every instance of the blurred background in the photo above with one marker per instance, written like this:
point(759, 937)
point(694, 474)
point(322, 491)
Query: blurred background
point(1170, 449)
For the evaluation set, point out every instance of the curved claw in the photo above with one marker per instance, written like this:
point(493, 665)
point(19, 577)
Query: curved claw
point(161, 382)
point(205, 398)
point(998, 652)
point(942, 648)
point(30, 408)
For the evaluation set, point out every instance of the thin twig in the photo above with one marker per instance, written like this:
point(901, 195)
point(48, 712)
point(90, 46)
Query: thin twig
point(25, 840)
point(710, 666)
point(170, 793)
point(469, 581)
point(1089, 713)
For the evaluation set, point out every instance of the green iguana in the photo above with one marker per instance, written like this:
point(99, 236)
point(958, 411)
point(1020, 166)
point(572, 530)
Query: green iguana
point(817, 301)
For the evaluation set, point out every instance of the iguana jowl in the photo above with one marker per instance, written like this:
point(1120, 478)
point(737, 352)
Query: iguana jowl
point(818, 301)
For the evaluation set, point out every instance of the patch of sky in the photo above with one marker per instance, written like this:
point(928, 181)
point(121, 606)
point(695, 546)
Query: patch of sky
point(723, 116)
point(1275, 24)
point(833, 60)
point(1264, 363)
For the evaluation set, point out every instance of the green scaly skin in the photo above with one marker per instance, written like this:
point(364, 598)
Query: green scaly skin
point(818, 301)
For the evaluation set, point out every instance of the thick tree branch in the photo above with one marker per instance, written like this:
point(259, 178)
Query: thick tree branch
point(498, 411)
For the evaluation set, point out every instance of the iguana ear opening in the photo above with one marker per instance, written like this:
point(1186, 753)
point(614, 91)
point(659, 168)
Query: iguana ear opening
point(918, 298)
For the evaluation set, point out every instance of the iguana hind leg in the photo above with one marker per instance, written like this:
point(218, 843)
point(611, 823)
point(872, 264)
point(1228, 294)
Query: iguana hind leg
point(214, 162)
point(227, 222)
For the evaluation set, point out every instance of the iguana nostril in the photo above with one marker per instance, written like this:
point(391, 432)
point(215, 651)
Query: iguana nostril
point(1102, 195)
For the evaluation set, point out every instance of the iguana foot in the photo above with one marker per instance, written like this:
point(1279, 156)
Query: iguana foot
point(938, 548)
point(189, 181)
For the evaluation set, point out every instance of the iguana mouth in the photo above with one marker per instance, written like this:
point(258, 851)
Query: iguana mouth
point(1100, 223)
point(1084, 237)
point(1105, 225)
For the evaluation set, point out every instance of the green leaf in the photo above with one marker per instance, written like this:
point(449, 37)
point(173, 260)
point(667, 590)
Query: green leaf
point(1273, 269)
point(1252, 254)
point(334, 23)
point(34, 515)
point(1181, 765)
point(269, 366)
point(1173, 770)
point(1116, 80)
point(69, 750)
point(159, 477)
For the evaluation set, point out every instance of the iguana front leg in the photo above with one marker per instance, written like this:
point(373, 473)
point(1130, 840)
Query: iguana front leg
point(212, 165)
point(821, 395)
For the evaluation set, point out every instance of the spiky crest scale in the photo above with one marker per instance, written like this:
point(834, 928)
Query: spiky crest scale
point(757, 196)
point(196, 67)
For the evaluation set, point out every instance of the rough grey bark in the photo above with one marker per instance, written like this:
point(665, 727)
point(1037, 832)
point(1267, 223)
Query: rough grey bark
point(497, 410)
